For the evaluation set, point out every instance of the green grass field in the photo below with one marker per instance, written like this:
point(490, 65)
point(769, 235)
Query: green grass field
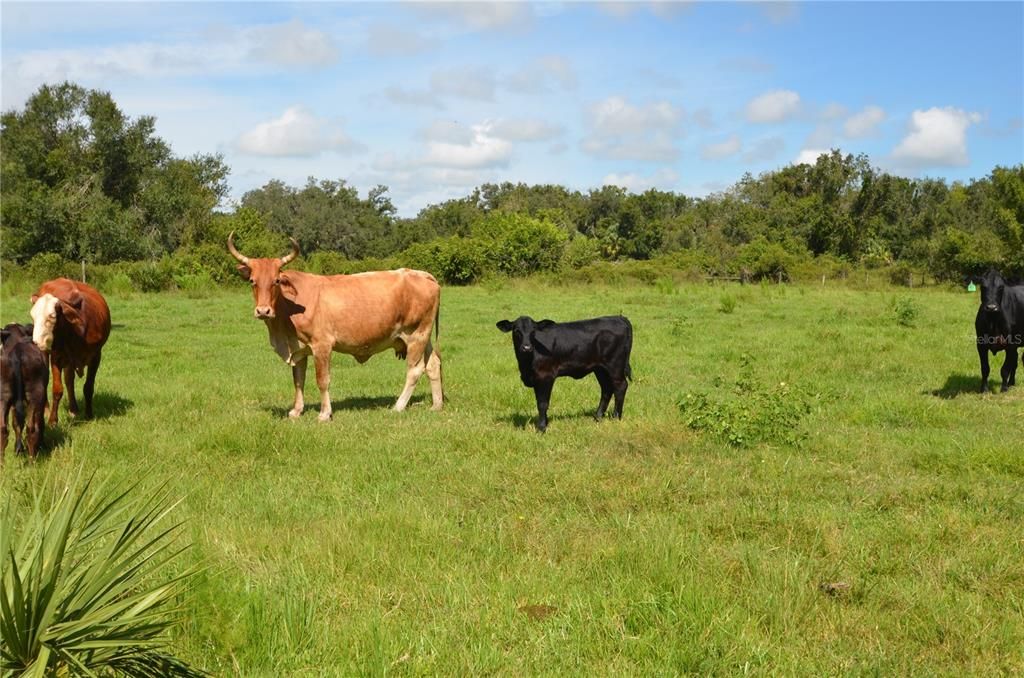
point(464, 542)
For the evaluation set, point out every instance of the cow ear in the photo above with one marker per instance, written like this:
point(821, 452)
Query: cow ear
point(545, 324)
point(33, 299)
point(71, 313)
point(288, 290)
point(3, 335)
point(504, 325)
point(543, 347)
point(244, 271)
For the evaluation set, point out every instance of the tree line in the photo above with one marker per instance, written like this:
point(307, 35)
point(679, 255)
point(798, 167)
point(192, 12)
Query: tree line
point(82, 181)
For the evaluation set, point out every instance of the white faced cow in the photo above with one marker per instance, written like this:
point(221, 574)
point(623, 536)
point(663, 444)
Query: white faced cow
point(360, 315)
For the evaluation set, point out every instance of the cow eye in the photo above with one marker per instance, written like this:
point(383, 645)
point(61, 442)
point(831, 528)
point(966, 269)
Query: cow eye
point(277, 281)
point(252, 282)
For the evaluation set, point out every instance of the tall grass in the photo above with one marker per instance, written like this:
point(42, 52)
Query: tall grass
point(463, 542)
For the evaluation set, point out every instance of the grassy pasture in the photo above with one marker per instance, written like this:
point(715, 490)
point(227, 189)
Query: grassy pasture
point(463, 542)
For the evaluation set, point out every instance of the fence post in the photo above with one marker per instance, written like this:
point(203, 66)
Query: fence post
point(83, 270)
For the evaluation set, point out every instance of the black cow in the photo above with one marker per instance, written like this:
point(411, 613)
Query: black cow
point(999, 325)
point(546, 350)
point(24, 376)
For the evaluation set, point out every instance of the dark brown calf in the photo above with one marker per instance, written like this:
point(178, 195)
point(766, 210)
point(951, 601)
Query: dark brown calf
point(23, 381)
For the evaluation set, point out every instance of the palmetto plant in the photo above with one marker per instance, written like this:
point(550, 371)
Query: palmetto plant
point(79, 593)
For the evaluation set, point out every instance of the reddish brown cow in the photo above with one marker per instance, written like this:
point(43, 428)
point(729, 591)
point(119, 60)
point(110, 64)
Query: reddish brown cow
point(72, 323)
point(360, 315)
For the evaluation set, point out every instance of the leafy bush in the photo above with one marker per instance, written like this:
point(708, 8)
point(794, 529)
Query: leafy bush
point(580, 251)
point(906, 311)
point(326, 263)
point(764, 259)
point(78, 587)
point(726, 303)
point(754, 413)
point(520, 245)
point(900, 274)
point(152, 276)
point(455, 260)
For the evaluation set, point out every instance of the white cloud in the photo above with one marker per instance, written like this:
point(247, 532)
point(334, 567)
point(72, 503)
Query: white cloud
point(776, 106)
point(664, 179)
point(480, 16)
point(937, 138)
point(466, 83)
point(448, 131)
point(288, 46)
point(297, 133)
point(291, 44)
point(724, 149)
point(524, 129)
point(864, 123)
point(620, 130)
point(615, 115)
point(480, 150)
point(809, 156)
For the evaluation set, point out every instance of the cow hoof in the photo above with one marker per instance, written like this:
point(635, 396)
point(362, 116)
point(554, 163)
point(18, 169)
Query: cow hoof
point(324, 417)
point(436, 408)
point(294, 414)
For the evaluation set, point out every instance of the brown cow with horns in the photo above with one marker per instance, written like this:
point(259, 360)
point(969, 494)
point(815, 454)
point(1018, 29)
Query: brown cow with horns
point(361, 315)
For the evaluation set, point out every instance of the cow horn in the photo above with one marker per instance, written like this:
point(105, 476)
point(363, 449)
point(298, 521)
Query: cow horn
point(294, 253)
point(235, 253)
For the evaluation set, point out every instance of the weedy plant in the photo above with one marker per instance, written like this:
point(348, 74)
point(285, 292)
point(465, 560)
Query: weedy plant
point(906, 311)
point(79, 595)
point(726, 303)
point(753, 413)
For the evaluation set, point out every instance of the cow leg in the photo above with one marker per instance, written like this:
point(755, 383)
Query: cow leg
point(35, 429)
point(543, 393)
point(58, 392)
point(69, 386)
point(322, 364)
point(1009, 370)
point(434, 374)
point(620, 395)
point(90, 384)
point(983, 357)
point(299, 379)
point(605, 380)
point(415, 361)
point(5, 405)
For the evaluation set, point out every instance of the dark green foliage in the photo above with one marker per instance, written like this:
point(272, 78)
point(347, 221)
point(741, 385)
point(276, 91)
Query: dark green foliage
point(752, 413)
point(84, 182)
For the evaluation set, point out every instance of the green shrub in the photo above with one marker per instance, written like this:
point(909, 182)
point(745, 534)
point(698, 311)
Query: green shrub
point(726, 303)
point(900, 274)
point(152, 276)
point(580, 251)
point(327, 263)
point(752, 413)
point(519, 245)
point(455, 260)
point(906, 311)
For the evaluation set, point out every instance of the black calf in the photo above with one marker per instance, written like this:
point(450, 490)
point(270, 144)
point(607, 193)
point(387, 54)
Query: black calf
point(999, 325)
point(546, 350)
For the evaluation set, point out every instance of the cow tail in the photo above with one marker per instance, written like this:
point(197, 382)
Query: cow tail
point(18, 387)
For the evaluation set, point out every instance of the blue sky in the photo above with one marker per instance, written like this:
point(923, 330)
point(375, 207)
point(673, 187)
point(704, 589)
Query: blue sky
point(433, 99)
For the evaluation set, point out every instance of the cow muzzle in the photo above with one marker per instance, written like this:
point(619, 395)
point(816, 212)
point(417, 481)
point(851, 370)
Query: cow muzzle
point(992, 307)
point(264, 312)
